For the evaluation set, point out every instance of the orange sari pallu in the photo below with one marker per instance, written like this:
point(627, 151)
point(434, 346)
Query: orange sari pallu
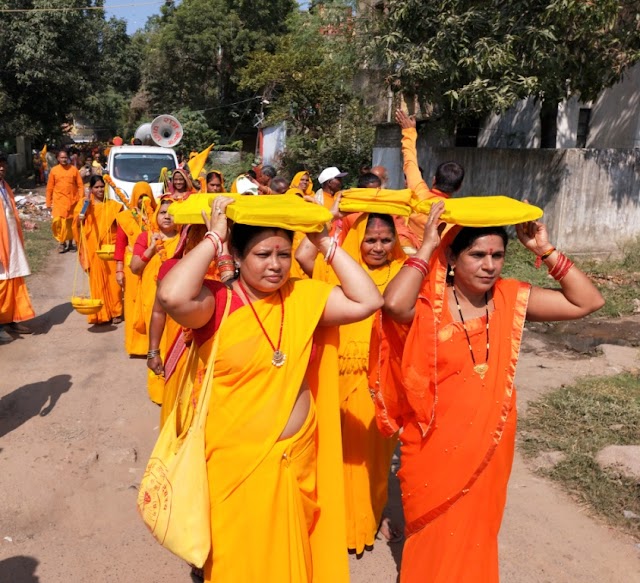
point(459, 430)
point(366, 452)
point(276, 505)
point(99, 228)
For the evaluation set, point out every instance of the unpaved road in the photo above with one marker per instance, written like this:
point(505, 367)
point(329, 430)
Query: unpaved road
point(76, 429)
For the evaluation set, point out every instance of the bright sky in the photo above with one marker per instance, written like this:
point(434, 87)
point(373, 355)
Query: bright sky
point(135, 12)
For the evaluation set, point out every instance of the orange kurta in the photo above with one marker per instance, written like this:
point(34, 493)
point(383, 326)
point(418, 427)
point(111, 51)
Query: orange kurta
point(459, 430)
point(276, 505)
point(97, 229)
point(64, 190)
point(366, 452)
point(15, 304)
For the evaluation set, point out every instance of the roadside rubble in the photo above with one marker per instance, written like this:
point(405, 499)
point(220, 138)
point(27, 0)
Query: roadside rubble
point(31, 210)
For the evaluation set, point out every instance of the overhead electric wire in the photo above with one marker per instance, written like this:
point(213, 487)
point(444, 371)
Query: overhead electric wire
point(74, 8)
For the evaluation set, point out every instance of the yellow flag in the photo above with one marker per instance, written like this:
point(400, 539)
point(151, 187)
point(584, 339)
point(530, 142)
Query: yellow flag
point(196, 164)
point(43, 157)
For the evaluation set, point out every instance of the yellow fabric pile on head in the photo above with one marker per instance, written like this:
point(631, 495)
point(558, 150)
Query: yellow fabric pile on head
point(376, 200)
point(483, 211)
point(283, 211)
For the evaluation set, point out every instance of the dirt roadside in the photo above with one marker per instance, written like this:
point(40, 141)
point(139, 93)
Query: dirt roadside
point(76, 429)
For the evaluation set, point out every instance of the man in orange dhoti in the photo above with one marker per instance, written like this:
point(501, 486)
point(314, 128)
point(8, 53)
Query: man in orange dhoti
point(15, 305)
point(64, 190)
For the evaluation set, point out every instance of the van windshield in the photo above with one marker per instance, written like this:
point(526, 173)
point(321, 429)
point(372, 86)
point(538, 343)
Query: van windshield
point(132, 167)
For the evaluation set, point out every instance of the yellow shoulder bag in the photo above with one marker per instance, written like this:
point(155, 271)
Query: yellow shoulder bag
point(173, 498)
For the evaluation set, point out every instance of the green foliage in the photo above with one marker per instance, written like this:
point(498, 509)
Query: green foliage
point(197, 134)
point(55, 63)
point(195, 49)
point(307, 81)
point(579, 421)
point(469, 58)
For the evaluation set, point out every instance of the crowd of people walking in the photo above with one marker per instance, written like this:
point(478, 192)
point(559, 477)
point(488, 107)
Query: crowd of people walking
point(320, 349)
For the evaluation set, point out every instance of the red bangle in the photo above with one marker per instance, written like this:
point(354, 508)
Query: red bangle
point(119, 271)
point(145, 258)
point(418, 264)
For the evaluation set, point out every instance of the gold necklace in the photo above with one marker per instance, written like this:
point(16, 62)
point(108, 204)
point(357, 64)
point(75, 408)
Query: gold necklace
point(481, 369)
point(388, 276)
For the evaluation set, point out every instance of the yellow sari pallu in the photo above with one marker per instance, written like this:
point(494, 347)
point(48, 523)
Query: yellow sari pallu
point(276, 505)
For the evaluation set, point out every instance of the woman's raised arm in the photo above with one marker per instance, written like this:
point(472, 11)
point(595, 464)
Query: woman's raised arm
point(402, 292)
point(181, 293)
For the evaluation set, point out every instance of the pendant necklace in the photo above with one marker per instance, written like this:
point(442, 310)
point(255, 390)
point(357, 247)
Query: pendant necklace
point(279, 357)
point(481, 369)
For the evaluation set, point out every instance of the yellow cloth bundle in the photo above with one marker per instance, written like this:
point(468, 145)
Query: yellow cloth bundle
point(284, 211)
point(376, 200)
point(483, 211)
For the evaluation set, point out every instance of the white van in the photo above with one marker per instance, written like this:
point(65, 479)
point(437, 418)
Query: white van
point(130, 164)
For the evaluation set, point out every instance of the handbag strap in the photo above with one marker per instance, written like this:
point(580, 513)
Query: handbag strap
point(203, 400)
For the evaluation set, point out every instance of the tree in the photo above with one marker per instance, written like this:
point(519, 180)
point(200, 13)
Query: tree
point(42, 77)
point(468, 58)
point(196, 48)
point(308, 82)
point(58, 62)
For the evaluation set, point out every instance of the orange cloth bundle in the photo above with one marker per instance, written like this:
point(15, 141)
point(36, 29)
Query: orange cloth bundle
point(483, 211)
point(376, 200)
point(284, 211)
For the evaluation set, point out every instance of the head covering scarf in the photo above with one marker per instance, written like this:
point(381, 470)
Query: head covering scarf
point(220, 175)
point(142, 189)
point(296, 180)
point(187, 179)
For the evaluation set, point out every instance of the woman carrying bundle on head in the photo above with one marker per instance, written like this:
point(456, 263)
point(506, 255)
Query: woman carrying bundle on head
point(94, 225)
point(272, 430)
point(131, 223)
point(372, 242)
point(151, 250)
point(455, 400)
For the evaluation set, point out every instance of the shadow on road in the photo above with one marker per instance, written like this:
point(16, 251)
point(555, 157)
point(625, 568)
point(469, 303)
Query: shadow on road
point(28, 401)
point(19, 569)
point(54, 317)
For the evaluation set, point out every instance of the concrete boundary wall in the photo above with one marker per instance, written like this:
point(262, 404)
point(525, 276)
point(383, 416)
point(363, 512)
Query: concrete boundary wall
point(591, 198)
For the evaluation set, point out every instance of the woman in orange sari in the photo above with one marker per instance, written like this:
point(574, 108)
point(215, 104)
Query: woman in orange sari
point(372, 242)
point(130, 224)
point(272, 436)
point(456, 402)
point(151, 250)
point(94, 225)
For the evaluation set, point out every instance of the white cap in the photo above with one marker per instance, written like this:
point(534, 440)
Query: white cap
point(330, 173)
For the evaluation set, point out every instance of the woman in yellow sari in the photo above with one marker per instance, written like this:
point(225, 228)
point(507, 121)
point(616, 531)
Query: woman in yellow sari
point(373, 243)
point(130, 224)
point(272, 436)
point(151, 250)
point(94, 225)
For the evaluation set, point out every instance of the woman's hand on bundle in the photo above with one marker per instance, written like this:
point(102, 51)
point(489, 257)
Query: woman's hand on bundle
point(433, 228)
point(217, 222)
point(321, 240)
point(533, 235)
